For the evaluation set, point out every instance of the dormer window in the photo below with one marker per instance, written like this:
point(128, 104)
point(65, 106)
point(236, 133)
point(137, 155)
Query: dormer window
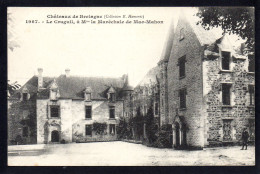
point(111, 94)
point(225, 60)
point(25, 96)
point(87, 94)
point(112, 97)
point(54, 91)
point(53, 95)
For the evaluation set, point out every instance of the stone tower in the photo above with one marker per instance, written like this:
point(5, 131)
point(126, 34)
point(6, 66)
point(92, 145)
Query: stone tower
point(163, 79)
point(127, 96)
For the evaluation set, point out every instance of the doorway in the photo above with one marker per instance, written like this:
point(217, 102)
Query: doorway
point(55, 136)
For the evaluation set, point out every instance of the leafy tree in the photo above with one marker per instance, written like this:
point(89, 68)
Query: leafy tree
point(13, 41)
point(123, 129)
point(138, 123)
point(235, 20)
point(99, 128)
point(12, 87)
point(151, 127)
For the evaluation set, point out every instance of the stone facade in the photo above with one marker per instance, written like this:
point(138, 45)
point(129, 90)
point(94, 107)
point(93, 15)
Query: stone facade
point(71, 123)
point(190, 49)
point(205, 119)
point(240, 113)
point(21, 122)
point(64, 109)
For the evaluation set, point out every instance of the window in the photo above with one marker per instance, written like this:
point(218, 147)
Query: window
point(251, 90)
point(227, 130)
point(25, 96)
point(112, 97)
point(87, 96)
point(53, 95)
point(88, 113)
point(55, 111)
point(25, 132)
point(251, 63)
point(112, 129)
point(181, 64)
point(225, 60)
point(88, 130)
point(226, 94)
point(156, 110)
point(181, 34)
point(112, 112)
point(182, 94)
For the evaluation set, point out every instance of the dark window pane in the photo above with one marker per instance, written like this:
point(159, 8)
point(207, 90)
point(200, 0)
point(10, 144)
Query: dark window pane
point(111, 112)
point(251, 94)
point(25, 96)
point(226, 94)
point(88, 111)
point(89, 130)
point(55, 111)
point(112, 97)
point(225, 60)
point(182, 94)
point(182, 67)
point(25, 131)
point(251, 63)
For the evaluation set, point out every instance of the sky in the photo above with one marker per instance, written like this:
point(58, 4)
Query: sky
point(108, 50)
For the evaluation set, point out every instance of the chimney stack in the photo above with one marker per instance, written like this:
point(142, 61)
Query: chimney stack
point(67, 71)
point(40, 78)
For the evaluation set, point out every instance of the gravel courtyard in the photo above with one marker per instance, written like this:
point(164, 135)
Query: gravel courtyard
point(119, 153)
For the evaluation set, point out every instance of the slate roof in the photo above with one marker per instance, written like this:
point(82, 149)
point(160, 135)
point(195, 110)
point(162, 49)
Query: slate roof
point(168, 44)
point(213, 37)
point(150, 77)
point(32, 86)
point(73, 87)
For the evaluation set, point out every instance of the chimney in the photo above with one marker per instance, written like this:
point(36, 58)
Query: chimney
point(67, 71)
point(40, 78)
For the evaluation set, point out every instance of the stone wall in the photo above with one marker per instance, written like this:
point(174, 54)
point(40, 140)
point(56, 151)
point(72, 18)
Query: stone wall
point(72, 121)
point(239, 113)
point(164, 119)
point(190, 47)
point(21, 114)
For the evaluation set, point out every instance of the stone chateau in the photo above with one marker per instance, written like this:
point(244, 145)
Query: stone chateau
point(203, 86)
point(48, 110)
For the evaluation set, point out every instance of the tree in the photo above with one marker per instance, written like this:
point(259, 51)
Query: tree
point(235, 20)
point(12, 87)
point(151, 127)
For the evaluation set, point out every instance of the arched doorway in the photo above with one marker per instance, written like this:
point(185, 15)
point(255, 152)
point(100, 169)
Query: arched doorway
point(55, 136)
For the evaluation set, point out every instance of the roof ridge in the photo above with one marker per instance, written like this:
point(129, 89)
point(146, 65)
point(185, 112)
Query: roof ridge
point(82, 76)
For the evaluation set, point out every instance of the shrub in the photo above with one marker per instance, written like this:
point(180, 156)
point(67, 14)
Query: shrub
point(164, 139)
point(100, 128)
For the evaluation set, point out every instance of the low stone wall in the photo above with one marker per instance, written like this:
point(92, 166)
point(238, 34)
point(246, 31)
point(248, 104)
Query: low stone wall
point(132, 141)
point(96, 139)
